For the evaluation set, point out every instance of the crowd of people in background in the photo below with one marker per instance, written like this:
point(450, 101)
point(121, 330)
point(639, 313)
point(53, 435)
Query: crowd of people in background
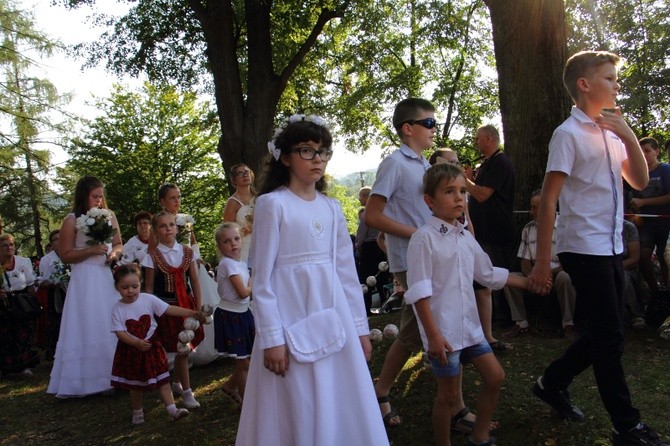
point(133, 316)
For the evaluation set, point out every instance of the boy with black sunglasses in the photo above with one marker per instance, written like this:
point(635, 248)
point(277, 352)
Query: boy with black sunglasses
point(396, 208)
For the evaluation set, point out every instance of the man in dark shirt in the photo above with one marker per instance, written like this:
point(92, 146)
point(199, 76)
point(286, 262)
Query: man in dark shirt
point(491, 206)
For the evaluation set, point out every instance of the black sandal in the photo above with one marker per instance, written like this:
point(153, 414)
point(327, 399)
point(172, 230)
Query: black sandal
point(462, 425)
point(392, 413)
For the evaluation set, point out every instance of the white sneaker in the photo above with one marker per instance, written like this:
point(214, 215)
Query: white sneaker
point(190, 401)
point(177, 388)
point(138, 418)
point(179, 414)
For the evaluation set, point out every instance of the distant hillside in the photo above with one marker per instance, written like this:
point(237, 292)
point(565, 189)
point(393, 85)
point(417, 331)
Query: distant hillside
point(355, 181)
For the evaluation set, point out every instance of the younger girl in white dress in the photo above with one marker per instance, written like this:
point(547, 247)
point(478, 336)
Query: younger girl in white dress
point(140, 362)
point(85, 349)
point(311, 386)
point(234, 329)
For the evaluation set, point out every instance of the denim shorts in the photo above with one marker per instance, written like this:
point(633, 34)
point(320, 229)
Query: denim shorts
point(454, 360)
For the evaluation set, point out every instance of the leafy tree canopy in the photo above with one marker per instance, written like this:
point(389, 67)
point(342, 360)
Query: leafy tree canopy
point(348, 60)
point(639, 31)
point(27, 118)
point(148, 137)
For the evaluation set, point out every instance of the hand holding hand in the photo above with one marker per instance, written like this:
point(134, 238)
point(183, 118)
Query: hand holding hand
point(199, 316)
point(539, 277)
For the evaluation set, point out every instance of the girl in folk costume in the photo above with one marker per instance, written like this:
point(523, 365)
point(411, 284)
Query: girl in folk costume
point(169, 196)
point(140, 363)
point(308, 379)
point(171, 275)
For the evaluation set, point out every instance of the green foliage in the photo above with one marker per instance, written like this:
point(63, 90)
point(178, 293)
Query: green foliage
point(27, 203)
point(145, 138)
point(382, 52)
point(638, 31)
point(349, 203)
point(367, 57)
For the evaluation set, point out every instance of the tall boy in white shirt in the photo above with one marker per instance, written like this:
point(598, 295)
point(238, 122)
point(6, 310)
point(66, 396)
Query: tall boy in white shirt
point(588, 154)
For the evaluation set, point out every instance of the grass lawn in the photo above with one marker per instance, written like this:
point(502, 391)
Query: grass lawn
point(30, 416)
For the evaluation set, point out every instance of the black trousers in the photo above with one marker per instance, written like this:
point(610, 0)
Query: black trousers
point(599, 282)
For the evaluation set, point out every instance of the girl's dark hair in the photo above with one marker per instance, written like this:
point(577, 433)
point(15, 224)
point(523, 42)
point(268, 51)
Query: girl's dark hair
point(275, 173)
point(81, 191)
point(163, 190)
point(126, 270)
point(142, 215)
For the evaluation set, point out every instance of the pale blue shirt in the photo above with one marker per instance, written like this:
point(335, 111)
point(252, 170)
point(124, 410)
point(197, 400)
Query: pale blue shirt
point(443, 261)
point(400, 180)
point(591, 200)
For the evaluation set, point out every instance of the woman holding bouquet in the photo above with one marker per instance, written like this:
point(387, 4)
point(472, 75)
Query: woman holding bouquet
point(89, 240)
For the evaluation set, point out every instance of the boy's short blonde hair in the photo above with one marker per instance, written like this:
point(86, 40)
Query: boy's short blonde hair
point(434, 176)
point(407, 110)
point(582, 64)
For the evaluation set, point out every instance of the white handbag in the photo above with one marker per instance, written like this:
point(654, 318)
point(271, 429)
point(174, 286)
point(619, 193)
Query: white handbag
point(320, 334)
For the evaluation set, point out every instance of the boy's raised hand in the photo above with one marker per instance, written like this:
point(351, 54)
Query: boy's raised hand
point(614, 122)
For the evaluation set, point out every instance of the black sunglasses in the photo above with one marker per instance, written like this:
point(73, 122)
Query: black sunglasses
point(428, 123)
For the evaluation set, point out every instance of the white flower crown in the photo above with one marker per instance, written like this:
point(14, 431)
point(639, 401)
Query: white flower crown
point(276, 151)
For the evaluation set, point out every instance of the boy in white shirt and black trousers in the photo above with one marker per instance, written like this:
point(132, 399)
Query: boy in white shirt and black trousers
point(588, 155)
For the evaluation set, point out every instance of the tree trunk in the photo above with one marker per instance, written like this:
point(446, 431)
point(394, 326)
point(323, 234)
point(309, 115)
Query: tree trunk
point(247, 116)
point(529, 38)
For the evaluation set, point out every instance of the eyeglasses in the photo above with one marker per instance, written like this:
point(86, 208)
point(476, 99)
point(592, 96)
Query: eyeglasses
point(308, 153)
point(243, 173)
point(428, 123)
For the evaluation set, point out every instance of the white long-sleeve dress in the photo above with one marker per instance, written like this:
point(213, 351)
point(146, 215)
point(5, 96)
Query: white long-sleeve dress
point(330, 401)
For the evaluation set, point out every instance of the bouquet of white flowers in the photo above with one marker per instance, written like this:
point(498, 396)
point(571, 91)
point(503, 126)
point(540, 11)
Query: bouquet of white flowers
point(61, 274)
point(185, 224)
point(97, 225)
